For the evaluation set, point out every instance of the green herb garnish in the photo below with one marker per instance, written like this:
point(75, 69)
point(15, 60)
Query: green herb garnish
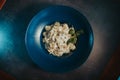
point(72, 31)
point(72, 40)
point(79, 32)
point(74, 34)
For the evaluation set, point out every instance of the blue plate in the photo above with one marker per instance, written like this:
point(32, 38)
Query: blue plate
point(36, 48)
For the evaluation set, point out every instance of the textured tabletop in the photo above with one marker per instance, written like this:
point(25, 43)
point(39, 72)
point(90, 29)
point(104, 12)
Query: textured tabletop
point(14, 19)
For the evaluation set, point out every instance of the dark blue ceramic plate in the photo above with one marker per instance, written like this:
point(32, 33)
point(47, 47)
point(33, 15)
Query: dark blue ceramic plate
point(36, 48)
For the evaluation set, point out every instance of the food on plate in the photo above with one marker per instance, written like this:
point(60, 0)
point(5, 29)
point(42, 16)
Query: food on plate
point(60, 39)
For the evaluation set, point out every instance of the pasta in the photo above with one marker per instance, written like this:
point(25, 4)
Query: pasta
point(56, 37)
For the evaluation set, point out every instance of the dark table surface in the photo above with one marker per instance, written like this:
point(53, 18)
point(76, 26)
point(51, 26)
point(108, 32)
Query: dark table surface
point(14, 19)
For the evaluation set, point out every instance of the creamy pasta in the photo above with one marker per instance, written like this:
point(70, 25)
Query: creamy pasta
point(56, 37)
